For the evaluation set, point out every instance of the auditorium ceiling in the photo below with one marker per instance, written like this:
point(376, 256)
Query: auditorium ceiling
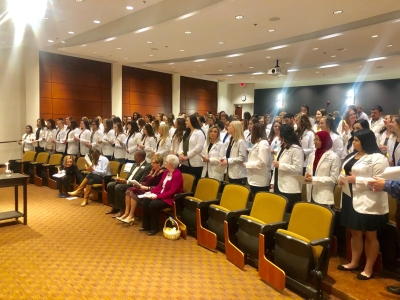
point(316, 42)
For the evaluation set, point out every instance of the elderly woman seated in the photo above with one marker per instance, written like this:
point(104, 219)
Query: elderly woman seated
point(149, 182)
point(162, 195)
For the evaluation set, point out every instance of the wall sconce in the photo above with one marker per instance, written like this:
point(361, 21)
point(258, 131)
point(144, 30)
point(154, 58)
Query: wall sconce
point(350, 97)
point(279, 100)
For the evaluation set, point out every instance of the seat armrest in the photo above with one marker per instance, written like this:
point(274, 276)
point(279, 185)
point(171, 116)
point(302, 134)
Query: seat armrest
point(320, 242)
point(207, 203)
point(107, 179)
point(182, 196)
point(273, 227)
point(237, 213)
point(36, 163)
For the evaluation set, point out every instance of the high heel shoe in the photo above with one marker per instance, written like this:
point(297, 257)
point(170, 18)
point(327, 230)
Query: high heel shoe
point(129, 221)
point(85, 202)
point(121, 218)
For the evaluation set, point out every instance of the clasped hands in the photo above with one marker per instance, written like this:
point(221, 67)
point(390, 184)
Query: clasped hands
point(377, 185)
point(350, 178)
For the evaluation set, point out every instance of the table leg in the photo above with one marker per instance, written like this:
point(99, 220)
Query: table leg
point(16, 199)
point(25, 202)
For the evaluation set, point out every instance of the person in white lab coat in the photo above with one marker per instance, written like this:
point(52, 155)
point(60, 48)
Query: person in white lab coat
point(72, 132)
point(163, 145)
point(322, 170)
point(96, 135)
point(366, 211)
point(132, 141)
point(148, 142)
point(40, 136)
point(50, 133)
point(289, 162)
point(120, 143)
point(59, 138)
point(385, 134)
point(318, 115)
point(214, 150)
point(190, 148)
point(328, 124)
point(83, 138)
point(274, 141)
point(306, 136)
point(236, 154)
point(27, 138)
point(393, 148)
point(108, 139)
point(259, 160)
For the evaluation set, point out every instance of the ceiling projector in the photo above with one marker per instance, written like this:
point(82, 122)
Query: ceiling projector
point(277, 70)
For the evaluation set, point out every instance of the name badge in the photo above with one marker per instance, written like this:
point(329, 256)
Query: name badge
point(142, 167)
point(288, 152)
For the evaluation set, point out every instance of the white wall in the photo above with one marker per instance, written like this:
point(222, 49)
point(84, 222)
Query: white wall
point(19, 97)
point(224, 103)
point(235, 93)
point(176, 94)
point(116, 90)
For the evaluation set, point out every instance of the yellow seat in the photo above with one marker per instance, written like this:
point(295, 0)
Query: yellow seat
point(22, 164)
point(35, 166)
point(302, 251)
point(81, 163)
point(206, 189)
point(102, 187)
point(48, 170)
point(232, 205)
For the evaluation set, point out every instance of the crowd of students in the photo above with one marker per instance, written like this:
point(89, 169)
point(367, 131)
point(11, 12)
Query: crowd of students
point(262, 152)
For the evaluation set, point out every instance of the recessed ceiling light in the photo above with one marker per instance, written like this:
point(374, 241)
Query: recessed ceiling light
point(171, 63)
point(268, 57)
point(252, 77)
point(151, 55)
point(220, 70)
point(110, 39)
point(375, 36)
point(181, 50)
point(221, 43)
point(188, 32)
point(199, 60)
point(333, 55)
point(251, 67)
point(337, 12)
point(315, 48)
point(234, 55)
point(271, 30)
point(129, 7)
point(229, 75)
point(292, 70)
point(239, 17)
point(328, 66)
point(149, 42)
point(278, 47)
point(143, 29)
point(79, 1)
point(257, 73)
point(95, 52)
point(119, 48)
point(330, 36)
point(288, 63)
point(50, 41)
point(63, 42)
point(376, 58)
point(341, 49)
point(71, 32)
point(96, 21)
point(125, 58)
point(84, 45)
point(389, 46)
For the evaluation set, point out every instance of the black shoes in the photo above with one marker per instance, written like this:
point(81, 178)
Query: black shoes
point(143, 229)
point(343, 268)
point(153, 232)
point(363, 277)
point(393, 289)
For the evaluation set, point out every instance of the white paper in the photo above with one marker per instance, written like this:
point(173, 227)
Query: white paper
point(220, 169)
point(300, 178)
point(391, 173)
point(134, 182)
point(71, 198)
point(128, 167)
point(59, 175)
point(147, 195)
point(88, 160)
point(345, 187)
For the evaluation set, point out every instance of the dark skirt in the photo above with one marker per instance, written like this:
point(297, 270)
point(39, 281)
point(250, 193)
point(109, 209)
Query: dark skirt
point(357, 221)
point(133, 192)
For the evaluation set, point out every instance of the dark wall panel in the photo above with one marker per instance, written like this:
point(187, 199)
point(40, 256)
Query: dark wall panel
point(75, 87)
point(367, 94)
point(198, 96)
point(146, 92)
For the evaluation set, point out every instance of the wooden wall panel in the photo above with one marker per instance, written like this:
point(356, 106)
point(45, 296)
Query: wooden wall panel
point(146, 92)
point(75, 87)
point(198, 96)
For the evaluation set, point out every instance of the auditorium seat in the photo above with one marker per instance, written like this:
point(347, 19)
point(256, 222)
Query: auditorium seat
point(22, 165)
point(301, 253)
point(48, 170)
point(102, 187)
point(232, 205)
point(266, 217)
point(35, 167)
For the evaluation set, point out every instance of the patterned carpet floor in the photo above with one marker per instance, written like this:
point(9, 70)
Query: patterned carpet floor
point(71, 252)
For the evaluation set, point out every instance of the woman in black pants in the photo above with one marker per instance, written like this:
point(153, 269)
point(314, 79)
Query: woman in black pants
point(71, 171)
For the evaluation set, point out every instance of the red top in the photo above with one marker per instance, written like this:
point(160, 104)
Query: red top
point(172, 187)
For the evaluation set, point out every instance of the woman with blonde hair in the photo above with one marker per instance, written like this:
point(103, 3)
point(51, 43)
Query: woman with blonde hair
point(214, 150)
point(236, 154)
point(163, 146)
point(70, 171)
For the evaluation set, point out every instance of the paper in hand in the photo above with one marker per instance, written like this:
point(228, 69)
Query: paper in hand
point(300, 178)
point(89, 163)
point(391, 173)
point(345, 187)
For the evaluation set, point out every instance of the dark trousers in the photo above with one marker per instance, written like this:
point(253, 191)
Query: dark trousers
point(256, 189)
point(109, 157)
point(196, 171)
point(39, 149)
point(292, 198)
point(150, 213)
point(237, 181)
point(94, 179)
point(116, 194)
point(64, 181)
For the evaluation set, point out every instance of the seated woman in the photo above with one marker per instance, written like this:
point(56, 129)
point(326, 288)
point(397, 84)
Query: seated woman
point(99, 169)
point(150, 181)
point(162, 195)
point(71, 172)
point(322, 170)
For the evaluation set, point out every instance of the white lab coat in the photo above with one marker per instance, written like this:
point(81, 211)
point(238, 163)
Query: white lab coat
point(108, 149)
point(150, 144)
point(41, 142)
point(325, 178)
point(131, 145)
point(59, 140)
point(390, 147)
point(165, 149)
point(259, 164)
point(84, 137)
point(238, 156)
point(97, 136)
point(196, 144)
point(307, 143)
point(377, 126)
point(217, 151)
point(72, 144)
point(337, 145)
point(365, 201)
point(26, 142)
point(49, 135)
point(290, 163)
point(120, 146)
